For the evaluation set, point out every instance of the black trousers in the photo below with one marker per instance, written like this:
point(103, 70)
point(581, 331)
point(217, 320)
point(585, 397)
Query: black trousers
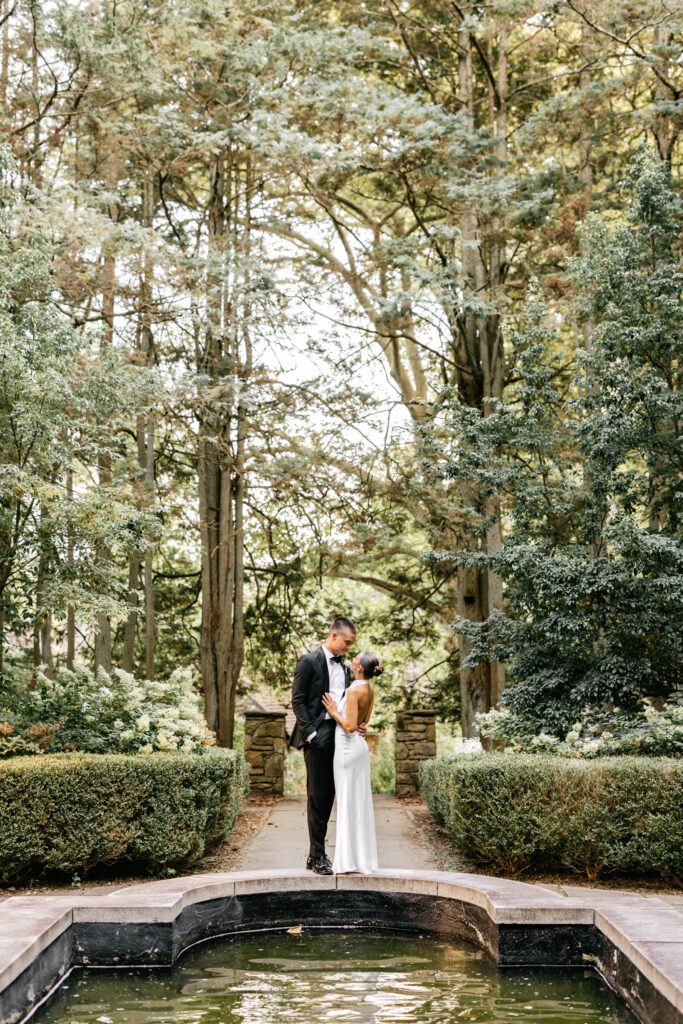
point(319, 757)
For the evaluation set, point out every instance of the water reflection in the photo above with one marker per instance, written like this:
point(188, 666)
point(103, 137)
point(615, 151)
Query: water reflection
point(354, 977)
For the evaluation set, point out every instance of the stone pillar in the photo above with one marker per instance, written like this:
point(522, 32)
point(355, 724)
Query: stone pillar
point(264, 750)
point(415, 742)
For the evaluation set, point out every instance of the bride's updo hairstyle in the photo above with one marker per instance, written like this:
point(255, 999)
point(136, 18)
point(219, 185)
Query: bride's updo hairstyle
point(370, 665)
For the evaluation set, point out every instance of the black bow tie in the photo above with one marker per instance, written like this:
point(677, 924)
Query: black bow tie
point(338, 658)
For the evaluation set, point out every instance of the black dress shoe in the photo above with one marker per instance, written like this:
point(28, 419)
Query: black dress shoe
point(322, 866)
point(309, 863)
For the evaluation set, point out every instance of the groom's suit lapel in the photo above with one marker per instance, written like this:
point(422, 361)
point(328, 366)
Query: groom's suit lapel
point(325, 670)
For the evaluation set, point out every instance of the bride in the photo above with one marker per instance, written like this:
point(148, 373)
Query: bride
point(355, 847)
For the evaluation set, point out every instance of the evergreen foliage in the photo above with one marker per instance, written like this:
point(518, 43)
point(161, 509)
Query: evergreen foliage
point(593, 559)
point(58, 403)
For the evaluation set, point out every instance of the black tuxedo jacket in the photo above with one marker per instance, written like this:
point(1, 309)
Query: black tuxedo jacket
point(311, 681)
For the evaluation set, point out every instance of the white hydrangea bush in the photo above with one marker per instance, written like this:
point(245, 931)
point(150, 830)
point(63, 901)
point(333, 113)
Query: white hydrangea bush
point(653, 731)
point(117, 713)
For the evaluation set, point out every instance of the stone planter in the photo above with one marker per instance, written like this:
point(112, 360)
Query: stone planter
point(264, 750)
point(415, 742)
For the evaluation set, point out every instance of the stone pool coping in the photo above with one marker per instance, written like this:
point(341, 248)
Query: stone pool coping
point(636, 943)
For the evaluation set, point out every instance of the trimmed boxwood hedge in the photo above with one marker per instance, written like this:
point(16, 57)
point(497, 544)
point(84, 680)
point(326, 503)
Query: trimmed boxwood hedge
point(69, 812)
point(516, 811)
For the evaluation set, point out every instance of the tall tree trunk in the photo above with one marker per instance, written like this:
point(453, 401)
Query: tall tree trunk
point(237, 654)
point(144, 433)
point(479, 348)
point(237, 645)
point(218, 571)
point(150, 620)
point(4, 64)
point(45, 626)
point(70, 611)
point(128, 655)
point(35, 159)
point(46, 646)
point(667, 127)
point(215, 473)
point(493, 357)
point(222, 449)
point(103, 635)
point(148, 346)
point(585, 340)
point(135, 563)
point(586, 145)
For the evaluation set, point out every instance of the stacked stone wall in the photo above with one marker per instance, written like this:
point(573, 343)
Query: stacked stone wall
point(415, 742)
point(264, 750)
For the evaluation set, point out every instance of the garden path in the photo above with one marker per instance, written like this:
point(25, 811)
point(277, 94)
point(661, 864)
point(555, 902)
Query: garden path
point(282, 841)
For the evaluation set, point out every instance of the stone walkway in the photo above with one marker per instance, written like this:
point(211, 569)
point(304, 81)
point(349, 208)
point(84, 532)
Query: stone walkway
point(282, 842)
point(584, 892)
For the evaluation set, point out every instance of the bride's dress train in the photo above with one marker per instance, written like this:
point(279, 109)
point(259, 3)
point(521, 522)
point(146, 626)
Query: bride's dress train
point(355, 846)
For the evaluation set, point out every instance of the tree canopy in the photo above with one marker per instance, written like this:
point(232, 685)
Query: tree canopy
point(371, 308)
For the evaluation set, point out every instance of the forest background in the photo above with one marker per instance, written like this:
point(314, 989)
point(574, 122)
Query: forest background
point(369, 308)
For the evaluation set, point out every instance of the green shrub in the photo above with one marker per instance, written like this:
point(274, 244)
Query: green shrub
point(69, 812)
point(383, 765)
point(520, 810)
point(295, 773)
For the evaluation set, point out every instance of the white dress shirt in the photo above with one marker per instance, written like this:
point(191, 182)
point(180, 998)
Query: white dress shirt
point(337, 676)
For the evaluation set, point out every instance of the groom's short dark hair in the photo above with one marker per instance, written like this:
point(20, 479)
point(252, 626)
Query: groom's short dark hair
point(342, 623)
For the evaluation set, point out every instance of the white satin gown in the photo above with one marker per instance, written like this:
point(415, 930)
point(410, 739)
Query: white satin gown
point(356, 844)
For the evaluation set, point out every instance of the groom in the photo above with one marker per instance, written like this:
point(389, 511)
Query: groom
point(320, 671)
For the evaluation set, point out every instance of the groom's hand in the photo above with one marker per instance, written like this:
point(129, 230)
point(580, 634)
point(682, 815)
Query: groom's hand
point(362, 729)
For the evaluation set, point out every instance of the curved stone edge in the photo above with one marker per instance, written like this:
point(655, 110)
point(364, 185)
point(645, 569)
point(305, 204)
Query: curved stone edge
point(642, 938)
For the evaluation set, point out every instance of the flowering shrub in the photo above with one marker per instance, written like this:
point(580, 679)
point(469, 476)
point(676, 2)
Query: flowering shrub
point(651, 732)
point(102, 714)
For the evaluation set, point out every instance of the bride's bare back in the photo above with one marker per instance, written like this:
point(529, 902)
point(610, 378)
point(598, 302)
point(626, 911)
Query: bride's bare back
point(362, 695)
point(360, 698)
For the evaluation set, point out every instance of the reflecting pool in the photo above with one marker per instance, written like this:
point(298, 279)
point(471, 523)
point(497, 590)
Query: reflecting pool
point(338, 977)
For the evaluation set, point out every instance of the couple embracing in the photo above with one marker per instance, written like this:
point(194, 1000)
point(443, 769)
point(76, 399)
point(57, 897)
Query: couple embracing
point(332, 713)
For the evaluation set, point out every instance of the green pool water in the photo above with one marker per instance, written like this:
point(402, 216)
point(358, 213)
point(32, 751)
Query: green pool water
point(340, 977)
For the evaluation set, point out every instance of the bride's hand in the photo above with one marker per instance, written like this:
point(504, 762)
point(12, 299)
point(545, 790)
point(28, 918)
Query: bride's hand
point(330, 704)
